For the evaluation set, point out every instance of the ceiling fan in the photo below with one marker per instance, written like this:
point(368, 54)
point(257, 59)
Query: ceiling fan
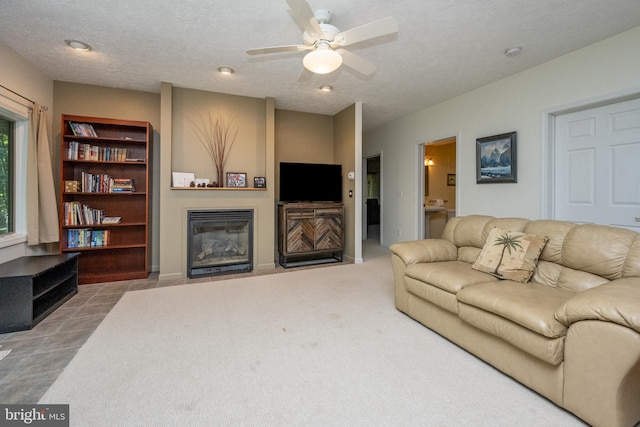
point(326, 42)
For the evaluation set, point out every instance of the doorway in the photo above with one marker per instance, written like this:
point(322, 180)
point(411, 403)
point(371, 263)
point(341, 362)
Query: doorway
point(437, 194)
point(373, 208)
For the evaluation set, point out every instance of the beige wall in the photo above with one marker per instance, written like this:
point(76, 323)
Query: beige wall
point(302, 138)
point(20, 76)
point(175, 112)
point(98, 101)
point(252, 152)
point(191, 108)
point(314, 138)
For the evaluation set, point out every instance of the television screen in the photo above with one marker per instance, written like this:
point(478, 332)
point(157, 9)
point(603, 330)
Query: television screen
point(310, 182)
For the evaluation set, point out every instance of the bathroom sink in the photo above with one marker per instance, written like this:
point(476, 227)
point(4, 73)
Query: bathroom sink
point(434, 209)
point(428, 211)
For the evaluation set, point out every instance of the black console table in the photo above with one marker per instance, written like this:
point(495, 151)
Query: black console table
point(32, 287)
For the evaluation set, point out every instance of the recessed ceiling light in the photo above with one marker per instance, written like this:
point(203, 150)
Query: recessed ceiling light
point(326, 88)
point(78, 45)
point(513, 51)
point(226, 71)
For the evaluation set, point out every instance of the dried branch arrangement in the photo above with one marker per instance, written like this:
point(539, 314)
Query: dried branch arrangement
point(217, 137)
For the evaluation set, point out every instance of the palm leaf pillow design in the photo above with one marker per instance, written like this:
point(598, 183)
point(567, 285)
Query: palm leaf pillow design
point(510, 255)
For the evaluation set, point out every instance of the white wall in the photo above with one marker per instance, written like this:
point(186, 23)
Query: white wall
point(516, 103)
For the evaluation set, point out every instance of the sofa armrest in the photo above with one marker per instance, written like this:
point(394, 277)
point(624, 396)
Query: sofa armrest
point(430, 250)
point(617, 301)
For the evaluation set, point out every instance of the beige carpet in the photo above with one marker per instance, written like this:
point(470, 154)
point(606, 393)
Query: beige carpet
point(321, 347)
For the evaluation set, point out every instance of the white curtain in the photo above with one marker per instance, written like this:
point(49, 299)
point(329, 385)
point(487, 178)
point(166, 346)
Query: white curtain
point(42, 211)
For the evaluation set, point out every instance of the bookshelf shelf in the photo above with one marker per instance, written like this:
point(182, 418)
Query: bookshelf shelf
point(103, 248)
point(120, 224)
point(93, 168)
point(218, 188)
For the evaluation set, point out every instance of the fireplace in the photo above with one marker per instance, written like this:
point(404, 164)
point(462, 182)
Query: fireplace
point(219, 242)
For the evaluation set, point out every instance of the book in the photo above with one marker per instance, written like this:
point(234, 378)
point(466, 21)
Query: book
point(82, 129)
point(111, 220)
point(122, 185)
point(76, 213)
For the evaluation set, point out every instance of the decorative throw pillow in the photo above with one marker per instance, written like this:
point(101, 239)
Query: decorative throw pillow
point(510, 255)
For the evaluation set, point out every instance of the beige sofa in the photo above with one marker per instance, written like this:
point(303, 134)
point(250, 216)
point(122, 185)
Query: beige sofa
point(571, 333)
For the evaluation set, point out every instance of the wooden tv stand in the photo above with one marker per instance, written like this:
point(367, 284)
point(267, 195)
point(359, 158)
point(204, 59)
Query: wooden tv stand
point(310, 233)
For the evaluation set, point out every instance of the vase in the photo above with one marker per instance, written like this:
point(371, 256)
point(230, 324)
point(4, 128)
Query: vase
point(220, 177)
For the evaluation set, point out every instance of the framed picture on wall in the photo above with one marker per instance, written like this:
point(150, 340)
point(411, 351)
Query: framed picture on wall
point(236, 179)
point(451, 179)
point(496, 159)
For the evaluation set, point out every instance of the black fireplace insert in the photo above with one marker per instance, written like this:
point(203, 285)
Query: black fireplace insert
point(219, 242)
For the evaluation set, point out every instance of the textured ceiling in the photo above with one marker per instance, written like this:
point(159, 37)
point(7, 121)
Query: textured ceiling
point(443, 49)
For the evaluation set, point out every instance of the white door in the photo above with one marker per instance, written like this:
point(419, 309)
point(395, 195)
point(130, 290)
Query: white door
point(597, 165)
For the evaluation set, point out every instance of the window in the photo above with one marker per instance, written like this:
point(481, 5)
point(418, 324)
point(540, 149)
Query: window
point(14, 125)
point(7, 145)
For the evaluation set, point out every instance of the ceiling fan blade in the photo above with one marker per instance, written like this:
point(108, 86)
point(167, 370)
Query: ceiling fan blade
point(381, 27)
point(357, 63)
point(276, 49)
point(303, 15)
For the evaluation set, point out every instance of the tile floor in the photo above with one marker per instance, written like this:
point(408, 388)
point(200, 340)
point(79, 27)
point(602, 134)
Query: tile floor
point(39, 355)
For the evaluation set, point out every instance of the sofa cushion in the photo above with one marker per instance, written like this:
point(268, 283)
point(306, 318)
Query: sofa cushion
point(510, 255)
point(530, 305)
point(521, 314)
point(450, 276)
point(439, 282)
point(549, 350)
point(432, 294)
point(558, 276)
point(556, 231)
point(597, 249)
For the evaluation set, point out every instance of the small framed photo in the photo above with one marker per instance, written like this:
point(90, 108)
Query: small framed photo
point(236, 179)
point(496, 159)
point(259, 182)
point(183, 179)
point(451, 179)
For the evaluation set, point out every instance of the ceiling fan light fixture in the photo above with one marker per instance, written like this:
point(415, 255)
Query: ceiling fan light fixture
point(323, 60)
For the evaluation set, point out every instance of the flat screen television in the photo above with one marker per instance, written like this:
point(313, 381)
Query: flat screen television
point(310, 182)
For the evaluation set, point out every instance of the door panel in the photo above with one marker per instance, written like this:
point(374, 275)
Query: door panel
point(597, 159)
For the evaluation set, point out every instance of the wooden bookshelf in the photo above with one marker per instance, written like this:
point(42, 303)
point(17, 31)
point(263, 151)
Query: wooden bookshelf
point(98, 152)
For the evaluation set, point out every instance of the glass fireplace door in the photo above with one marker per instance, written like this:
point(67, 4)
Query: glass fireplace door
point(219, 242)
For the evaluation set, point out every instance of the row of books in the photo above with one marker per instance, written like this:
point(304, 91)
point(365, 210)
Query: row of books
point(87, 238)
point(103, 183)
point(76, 213)
point(81, 151)
point(82, 129)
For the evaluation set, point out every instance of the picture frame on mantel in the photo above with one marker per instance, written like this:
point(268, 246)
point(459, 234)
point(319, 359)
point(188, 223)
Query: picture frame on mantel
point(496, 159)
point(259, 182)
point(236, 179)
